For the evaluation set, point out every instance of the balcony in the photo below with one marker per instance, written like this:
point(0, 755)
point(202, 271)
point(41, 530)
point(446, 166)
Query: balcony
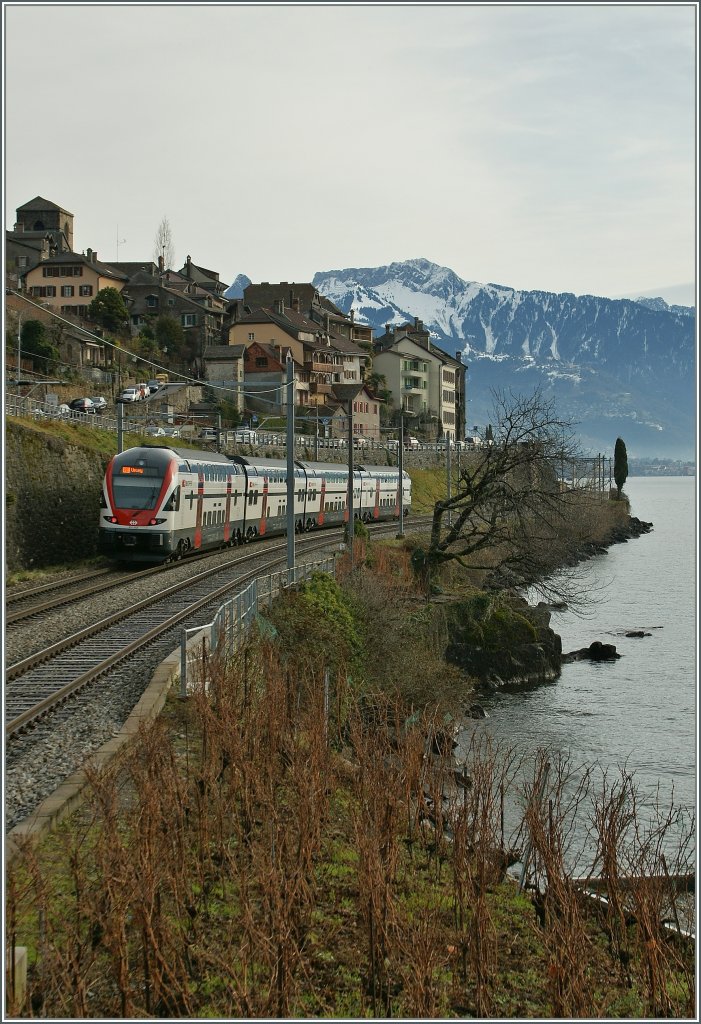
point(322, 366)
point(413, 385)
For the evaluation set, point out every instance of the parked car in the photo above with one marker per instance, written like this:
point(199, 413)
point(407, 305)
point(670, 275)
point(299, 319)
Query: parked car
point(81, 405)
point(246, 436)
point(130, 395)
point(99, 402)
point(208, 434)
point(153, 386)
point(411, 442)
point(155, 432)
point(171, 431)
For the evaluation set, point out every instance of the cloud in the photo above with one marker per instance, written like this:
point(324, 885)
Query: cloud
point(540, 146)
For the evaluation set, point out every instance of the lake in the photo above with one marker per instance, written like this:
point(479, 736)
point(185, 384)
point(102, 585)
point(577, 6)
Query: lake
point(641, 709)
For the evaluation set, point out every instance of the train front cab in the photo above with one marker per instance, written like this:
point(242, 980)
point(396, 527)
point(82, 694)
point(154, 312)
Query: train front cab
point(140, 494)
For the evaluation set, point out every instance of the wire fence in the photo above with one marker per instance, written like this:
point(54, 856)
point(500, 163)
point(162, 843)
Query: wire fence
point(232, 622)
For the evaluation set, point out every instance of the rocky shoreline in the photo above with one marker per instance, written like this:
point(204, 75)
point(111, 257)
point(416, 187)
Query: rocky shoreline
point(522, 665)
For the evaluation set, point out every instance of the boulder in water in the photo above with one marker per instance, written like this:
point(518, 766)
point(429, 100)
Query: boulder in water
point(596, 651)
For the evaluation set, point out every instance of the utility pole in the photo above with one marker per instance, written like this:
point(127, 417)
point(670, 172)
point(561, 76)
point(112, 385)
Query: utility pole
point(316, 442)
point(447, 464)
point(346, 393)
point(401, 474)
point(351, 470)
point(120, 427)
point(290, 469)
point(19, 349)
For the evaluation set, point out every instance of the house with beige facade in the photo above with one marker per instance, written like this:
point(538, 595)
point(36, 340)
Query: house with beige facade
point(425, 381)
point(69, 281)
point(323, 357)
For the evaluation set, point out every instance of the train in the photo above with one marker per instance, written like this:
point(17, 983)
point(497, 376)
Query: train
point(160, 503)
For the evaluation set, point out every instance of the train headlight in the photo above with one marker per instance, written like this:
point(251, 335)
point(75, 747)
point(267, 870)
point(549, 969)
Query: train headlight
point(110, 519)
point(155, 522)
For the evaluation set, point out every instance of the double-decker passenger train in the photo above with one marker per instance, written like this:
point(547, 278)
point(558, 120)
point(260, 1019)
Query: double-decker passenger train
point(161, 502)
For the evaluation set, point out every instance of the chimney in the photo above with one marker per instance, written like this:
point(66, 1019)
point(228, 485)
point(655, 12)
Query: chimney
point(295, 304)
point(416, 323)
point(279, 306)
point(458, 355)
point(19, 227)
point(188, 270)
point(352, 316)
point(88, 255)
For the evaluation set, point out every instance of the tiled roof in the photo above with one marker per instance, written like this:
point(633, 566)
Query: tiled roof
point(104, 269)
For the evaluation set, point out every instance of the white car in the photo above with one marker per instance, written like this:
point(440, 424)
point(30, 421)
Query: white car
point(155, 432)
point(130, 395)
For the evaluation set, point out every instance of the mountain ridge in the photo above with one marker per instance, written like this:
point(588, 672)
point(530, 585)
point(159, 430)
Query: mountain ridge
point(615, 365)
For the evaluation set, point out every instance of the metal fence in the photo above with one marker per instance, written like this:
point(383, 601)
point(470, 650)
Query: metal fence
point(31, 408)
point(225, 633)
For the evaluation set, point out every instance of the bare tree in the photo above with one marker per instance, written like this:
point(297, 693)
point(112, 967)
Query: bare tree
point(163, 244)
point(510, 514)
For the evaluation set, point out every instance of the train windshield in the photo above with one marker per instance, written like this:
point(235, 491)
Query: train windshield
point(136, 487)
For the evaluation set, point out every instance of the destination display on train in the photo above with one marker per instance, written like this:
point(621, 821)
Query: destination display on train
point(138, 470)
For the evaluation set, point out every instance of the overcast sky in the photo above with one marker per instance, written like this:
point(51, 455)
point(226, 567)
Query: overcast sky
point(537, 146)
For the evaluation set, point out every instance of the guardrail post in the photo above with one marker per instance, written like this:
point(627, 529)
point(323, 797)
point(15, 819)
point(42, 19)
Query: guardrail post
point(183, 664)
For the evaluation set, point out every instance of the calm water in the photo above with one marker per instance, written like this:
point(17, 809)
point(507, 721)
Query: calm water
point(641, 709)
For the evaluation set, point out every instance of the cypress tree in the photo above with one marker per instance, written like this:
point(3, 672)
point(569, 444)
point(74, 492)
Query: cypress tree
point(620, 464)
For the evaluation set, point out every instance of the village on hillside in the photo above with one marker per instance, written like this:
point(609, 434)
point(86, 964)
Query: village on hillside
point(71, 317)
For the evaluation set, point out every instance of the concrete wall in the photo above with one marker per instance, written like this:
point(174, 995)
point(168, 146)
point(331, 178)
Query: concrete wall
point(52, 499)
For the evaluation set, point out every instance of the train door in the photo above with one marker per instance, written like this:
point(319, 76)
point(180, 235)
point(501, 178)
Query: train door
point(199, 508)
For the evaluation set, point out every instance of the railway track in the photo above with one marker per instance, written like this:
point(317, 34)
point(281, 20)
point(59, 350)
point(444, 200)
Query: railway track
point(50, 677)
point(76, 588)
point(32, 603)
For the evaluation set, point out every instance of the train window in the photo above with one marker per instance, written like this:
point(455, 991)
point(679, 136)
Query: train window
point(255, 500)
point(173, 503)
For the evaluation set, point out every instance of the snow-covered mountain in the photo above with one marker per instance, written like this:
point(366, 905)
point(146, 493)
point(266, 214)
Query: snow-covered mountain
point(615, 367)
point(235, 290)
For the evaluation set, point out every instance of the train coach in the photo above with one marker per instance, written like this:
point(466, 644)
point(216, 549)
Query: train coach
point(161, 502)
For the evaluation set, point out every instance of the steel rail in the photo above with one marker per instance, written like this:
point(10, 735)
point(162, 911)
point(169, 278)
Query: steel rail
point(40, 707)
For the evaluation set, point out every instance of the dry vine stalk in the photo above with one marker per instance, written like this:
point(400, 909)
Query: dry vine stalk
point(658, 832)
point(550, 817)
point(479, 860)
